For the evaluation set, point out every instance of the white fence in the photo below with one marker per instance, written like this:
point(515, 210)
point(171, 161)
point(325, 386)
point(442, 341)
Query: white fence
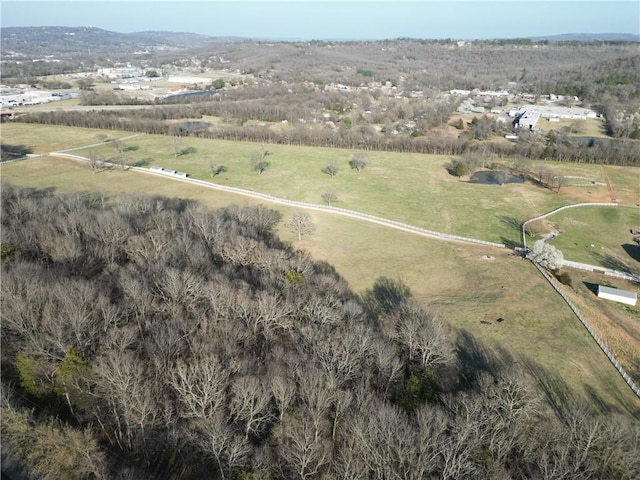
point(595, 336)
point(607, 271)
point(339, 211)
point(523, 233)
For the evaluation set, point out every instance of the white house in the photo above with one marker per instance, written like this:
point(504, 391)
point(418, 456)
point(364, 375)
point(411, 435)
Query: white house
point(617, 295)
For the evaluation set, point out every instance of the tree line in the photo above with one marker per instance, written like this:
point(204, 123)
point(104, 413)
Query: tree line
point(147, 337)
point(553, 146)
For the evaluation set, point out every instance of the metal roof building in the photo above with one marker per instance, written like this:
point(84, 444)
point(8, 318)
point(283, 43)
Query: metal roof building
point(617, 295)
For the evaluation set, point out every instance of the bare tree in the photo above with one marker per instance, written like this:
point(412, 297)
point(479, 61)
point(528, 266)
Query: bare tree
point(120, 157)
point(383, 433)
point(304, 453)
point(522, 167)
point(218, 440)
point(331, 169)
point(120, 382)
point(560, 182)
point(259, 161)
point(96, 162)
point(317, 392)
point(389, 366)
point(545, 175)
point(359, 161)
point(251, 404)
point(547, 256)
point(200, 384)
point(301, 224)
point(283, 392)
point(533, 228)
point(176, 142)
point(424, 334)
point(329, 198)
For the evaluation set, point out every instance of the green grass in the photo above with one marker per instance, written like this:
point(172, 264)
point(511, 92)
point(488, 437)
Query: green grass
point(50, 138)
point(454, 279)
point(592, 234)
point(410, 188)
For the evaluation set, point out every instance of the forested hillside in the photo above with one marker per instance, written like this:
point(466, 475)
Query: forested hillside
point(148, 337)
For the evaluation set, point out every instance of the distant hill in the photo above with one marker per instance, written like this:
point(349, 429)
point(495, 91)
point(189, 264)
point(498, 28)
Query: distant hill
point(32, 42)
point(590, 37)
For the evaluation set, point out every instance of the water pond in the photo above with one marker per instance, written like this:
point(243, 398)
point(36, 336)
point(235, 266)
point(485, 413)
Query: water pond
point(491, 177)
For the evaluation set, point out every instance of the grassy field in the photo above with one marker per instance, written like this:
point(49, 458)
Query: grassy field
point(609, 319)
point(470, 289)
point(49, 138)
point(593, 235)
point(412, 188)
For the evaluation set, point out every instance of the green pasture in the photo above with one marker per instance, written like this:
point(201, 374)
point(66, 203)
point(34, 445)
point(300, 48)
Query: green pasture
point(471, 286)
point(599, 235)
point(411, 188)
point(50, 138)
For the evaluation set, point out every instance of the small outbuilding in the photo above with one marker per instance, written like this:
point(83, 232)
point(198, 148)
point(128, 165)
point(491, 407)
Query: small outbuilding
point(617, 295)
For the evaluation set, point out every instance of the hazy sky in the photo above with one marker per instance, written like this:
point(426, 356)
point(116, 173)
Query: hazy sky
point(332, 19)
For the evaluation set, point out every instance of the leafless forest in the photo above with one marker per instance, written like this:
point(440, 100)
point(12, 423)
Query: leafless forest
point(385, 95)
point(151, 338)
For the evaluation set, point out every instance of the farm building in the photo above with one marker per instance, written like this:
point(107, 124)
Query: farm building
point(617, 295)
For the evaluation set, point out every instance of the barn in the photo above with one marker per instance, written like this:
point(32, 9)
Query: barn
point(617, 295)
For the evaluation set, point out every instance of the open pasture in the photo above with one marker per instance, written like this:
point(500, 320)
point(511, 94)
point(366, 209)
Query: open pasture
point(599, 236)
point(411, 188)
point(471, 286)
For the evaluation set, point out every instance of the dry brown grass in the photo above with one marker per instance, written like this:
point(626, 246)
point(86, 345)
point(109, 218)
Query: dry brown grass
point(617, 324)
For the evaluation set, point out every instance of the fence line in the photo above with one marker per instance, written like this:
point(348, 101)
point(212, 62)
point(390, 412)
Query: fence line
point(327, 208)
point(607, 271)
point(409, 228)
point(626, 377)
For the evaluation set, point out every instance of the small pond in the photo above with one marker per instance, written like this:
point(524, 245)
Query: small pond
point(494, 178)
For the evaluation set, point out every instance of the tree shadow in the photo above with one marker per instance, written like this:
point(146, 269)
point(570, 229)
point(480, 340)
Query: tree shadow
point(598, 402)
point(511, 222)
point(564, 400)
point(593, 287)
point(612, 262)
point(512, 244)
point(13, 152)
point(186, 151)
point(385, 295)
point(558, 394)
point(450, 168)
point(632, 250)
point(142, 163)
point(475, 358)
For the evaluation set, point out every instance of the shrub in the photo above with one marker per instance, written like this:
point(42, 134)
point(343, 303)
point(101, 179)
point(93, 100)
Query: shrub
point(564, 278)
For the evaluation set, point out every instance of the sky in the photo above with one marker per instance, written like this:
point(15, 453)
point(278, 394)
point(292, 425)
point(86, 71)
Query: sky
point(333, 19)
